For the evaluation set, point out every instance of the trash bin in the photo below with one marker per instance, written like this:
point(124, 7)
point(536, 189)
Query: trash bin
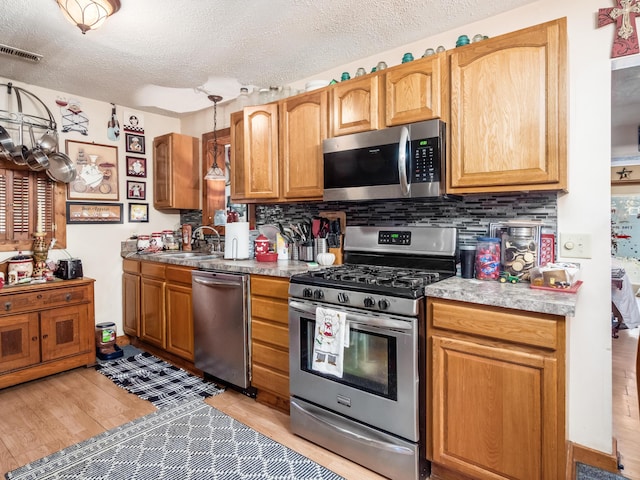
point(106, 348)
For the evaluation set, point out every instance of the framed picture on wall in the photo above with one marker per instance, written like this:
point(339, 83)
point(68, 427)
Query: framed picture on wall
point(136, 167)
point(96, 171)
point(139, 212)
point(134, 143)
point(136, 190)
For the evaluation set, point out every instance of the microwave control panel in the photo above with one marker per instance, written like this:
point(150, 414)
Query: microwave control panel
point(425, 160)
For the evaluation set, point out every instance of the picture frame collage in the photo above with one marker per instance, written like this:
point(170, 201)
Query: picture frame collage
point(92, 196)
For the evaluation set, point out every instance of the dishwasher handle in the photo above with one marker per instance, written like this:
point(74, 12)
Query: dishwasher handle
point(217, 283)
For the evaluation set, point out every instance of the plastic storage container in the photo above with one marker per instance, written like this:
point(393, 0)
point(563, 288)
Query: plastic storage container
point(488, 258)
point(106, 348)
point(519, 251)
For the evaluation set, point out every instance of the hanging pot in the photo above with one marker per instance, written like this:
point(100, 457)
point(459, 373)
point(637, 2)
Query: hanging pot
point(61, 168)
point(6, 143)
point(20, 152)
point(36, 159)
point(48, 143)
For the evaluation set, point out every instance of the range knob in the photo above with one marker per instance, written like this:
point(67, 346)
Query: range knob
point(318, 294)
point(383, 304)
point(307, 293)
point(369, 302)
point(343, 297)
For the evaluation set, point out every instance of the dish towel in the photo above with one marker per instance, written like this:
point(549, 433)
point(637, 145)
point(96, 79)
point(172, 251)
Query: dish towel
point(331, 338)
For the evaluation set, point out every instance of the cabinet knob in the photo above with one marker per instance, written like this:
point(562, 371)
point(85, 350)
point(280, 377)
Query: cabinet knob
point(7, 306)
point(39, 297)
point(34, 339)
point(45, 336)
point(68, 297)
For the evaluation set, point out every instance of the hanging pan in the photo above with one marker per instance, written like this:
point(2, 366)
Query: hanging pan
point(61, 168)
point(37, 160)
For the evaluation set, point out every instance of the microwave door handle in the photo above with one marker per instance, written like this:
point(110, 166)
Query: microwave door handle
point(405, 187)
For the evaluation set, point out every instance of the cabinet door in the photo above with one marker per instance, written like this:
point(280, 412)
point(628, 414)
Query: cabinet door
point(356, 105)
point(65, 332)
point(179, 321)
point(237, 161)
point(494, 410)
point(131, 304)
point(414, 91)
point(162, 168)
point(152, 321)
point(303, 127)
point(19, 341)
point(508, 112)
point(261, 180)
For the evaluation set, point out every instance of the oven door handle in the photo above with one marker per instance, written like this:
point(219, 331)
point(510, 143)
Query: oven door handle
point(353, 318)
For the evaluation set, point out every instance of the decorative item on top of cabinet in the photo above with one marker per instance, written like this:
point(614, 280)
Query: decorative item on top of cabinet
point(495, 392)
point(276, 150)
point(176, 179)
point(502, 140)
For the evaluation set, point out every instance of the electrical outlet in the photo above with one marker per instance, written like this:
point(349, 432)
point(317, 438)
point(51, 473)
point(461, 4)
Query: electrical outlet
point(575, 245)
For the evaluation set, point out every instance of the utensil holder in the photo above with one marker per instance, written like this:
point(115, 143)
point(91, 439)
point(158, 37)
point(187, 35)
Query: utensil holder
point(294, 251)
point(319, 246)
point(305, 253)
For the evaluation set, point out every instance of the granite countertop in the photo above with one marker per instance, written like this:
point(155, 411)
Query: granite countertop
point(519, 296)
point(484, 292)
point(274, 269)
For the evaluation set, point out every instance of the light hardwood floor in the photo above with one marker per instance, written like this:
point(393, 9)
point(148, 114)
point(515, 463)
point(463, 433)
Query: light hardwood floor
point(626, 414)
point(41, 417)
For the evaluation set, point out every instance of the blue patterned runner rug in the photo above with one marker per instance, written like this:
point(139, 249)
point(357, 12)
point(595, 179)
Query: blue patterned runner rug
point(191, 441)
point(155, 380)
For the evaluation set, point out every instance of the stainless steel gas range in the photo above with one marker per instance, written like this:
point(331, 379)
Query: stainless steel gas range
point(357, 346)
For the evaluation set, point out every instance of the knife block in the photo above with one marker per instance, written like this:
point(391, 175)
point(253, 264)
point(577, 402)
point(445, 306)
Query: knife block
point(338, 252)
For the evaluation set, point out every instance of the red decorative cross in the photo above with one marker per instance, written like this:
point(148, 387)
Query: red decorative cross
point(624, 15)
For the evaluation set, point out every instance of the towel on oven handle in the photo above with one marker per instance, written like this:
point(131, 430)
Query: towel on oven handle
point(330, 340)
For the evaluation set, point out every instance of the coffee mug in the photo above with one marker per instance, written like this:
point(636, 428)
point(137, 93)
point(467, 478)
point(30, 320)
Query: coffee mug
point(326, 258)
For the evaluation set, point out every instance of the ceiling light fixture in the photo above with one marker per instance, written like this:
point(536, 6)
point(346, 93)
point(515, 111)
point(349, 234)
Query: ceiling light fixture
point(215, 172)
point(88, 14)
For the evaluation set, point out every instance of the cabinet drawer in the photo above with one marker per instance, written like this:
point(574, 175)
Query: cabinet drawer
point(270, 286)
point(265, 379)
point(179, 274)
point(131, 266)
point(535, 329)
point(270, 309)
point(273, 358)
point(269, 333)
point(152, 269)
point(22, 302)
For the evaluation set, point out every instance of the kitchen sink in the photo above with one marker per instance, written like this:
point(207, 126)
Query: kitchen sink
point(194, 255)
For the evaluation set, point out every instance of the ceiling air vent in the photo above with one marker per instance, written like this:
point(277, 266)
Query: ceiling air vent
point(17, 52)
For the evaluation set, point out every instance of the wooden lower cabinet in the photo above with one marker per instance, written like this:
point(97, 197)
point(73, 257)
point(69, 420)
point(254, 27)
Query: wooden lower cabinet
point(496, 393)
point(46, 329)
point(270, 340)
point(157, 307)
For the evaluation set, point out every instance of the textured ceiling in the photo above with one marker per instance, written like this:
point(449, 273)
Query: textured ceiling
point(153, 54)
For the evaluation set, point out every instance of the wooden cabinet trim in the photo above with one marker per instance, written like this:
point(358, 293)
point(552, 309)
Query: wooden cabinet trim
point(152, 269)
point(179, 274)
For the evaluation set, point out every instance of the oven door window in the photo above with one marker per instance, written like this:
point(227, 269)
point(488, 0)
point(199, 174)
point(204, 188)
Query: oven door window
point(369, 364)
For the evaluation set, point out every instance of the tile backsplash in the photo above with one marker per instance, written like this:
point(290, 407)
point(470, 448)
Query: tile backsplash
point(470, 214)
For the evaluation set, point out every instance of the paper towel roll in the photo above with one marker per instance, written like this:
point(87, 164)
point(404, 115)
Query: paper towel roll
point(236, 240)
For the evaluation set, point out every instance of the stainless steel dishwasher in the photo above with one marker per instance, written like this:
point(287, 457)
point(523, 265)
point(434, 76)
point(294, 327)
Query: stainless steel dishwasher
point(221, 326)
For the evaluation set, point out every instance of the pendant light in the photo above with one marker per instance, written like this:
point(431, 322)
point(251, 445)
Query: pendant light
point(88, 14)
point(215, 172)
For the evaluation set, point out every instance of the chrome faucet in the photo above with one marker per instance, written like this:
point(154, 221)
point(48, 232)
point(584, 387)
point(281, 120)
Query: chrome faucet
point(200, 229)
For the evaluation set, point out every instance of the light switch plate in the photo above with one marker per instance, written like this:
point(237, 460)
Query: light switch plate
point(575, 245)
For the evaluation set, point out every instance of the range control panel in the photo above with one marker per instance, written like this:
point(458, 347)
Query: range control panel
point(394, 238)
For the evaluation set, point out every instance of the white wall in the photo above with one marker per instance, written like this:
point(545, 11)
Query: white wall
point(98, 246)
point(586, 209)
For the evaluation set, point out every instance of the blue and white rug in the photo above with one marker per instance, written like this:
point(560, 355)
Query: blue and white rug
point(192, 441)
point(155, 380)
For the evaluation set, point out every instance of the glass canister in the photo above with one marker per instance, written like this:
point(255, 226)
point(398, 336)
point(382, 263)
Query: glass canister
point(169, 240)
point(488, 258)
point(519, 250)
point(143, 242)
point(156, 241)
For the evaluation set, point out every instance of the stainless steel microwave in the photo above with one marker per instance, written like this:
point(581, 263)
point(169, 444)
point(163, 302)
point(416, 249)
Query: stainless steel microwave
point(397, 162)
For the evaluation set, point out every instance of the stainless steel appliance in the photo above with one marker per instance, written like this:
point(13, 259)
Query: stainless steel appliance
point(221, 326)
point(370, 411)
point(396, 162)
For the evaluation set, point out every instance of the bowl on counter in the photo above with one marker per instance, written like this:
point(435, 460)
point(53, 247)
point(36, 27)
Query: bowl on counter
point(267, 257)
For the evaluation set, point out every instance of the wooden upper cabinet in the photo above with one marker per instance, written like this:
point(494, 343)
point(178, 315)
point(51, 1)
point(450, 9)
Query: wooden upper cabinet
point(238, 193)
point(509, 112)
point(357, 105)
point(303, 127)
point(414, 90)
point(261, 179)
point(176, 176)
